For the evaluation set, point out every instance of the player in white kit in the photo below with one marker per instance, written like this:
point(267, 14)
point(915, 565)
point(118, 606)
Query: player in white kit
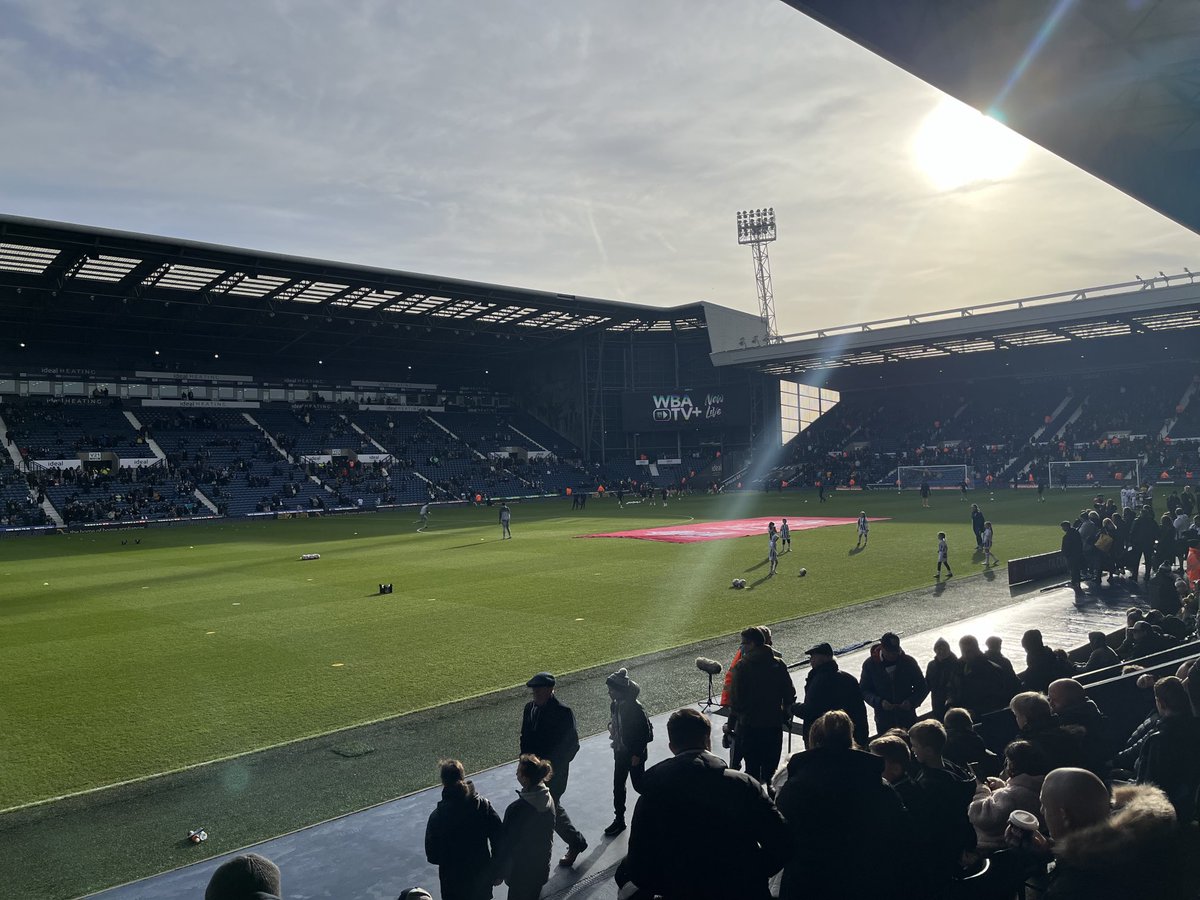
point(863, 529)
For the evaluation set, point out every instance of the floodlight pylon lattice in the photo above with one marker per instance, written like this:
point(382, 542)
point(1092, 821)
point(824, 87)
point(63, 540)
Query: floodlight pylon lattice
point(756, 227)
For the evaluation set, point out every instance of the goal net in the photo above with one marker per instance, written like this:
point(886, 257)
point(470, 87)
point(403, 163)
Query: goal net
point(937, 477)
point(1083, 473)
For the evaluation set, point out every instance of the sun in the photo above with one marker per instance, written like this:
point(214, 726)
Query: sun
point(958, 146)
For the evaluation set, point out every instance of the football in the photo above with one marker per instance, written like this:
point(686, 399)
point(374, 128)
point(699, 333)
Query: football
point(803, 572)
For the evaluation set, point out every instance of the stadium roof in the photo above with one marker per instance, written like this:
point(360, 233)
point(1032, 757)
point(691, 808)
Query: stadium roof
point(68, 283)
point(1112, 86)
point(1148, 307)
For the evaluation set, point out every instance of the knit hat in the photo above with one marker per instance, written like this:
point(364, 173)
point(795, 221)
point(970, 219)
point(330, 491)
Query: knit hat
point(246, 877)
point(620, 680)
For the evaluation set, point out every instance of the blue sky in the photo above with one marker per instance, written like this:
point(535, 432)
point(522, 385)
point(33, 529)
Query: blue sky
point(594, 147)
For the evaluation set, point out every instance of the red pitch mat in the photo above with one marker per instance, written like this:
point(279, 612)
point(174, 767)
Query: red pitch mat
point(720, 531)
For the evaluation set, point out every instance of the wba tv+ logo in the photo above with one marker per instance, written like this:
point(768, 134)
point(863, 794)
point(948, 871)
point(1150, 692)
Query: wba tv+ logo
point(681, 408)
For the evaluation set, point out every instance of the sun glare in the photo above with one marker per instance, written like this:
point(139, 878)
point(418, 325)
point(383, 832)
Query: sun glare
point(958, 146)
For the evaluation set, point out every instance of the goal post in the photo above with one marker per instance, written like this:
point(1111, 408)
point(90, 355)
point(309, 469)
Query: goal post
point(1084, 473)
point(910, 478)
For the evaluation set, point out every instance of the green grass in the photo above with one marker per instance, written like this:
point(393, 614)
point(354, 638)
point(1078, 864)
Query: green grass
point(122, 661)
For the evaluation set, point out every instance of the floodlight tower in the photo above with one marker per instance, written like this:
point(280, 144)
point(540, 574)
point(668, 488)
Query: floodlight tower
point(756, 227)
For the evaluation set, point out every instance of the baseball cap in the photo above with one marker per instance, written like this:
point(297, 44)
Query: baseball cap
point(890, 641)
point(416, 893)
point(822, 648)
point(541, 679)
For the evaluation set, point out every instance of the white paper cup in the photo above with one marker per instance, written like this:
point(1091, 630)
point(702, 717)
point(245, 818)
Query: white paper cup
point(1026, 821)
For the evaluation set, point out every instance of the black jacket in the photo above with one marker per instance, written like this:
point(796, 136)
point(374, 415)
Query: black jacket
point(1099, 744)
point(460, 837)
point(944, 678)
point(1041, 669)
point(703, 831)
point(761, 692)
point(1012, 682)
point(977, 523)
point(1162, 593)
point(985, 686)
point(1143, 533)
point(905, 683)
point(1072, 546)
point(1102, 658)
point(948, 793)
point(628, 725)
point(549, 732)
point(852, 836)
point(523, 857)
point(1170, 759)
point(1061, 745)
point(827, 688)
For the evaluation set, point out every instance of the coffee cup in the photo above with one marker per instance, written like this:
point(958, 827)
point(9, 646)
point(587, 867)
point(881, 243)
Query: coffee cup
point(1025, 821)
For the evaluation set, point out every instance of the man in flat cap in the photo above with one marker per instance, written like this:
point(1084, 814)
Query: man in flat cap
point(828, 688)
point(548, 730)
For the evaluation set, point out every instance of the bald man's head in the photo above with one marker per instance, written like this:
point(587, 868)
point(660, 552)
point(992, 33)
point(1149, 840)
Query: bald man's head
point(1073, 799)
point(1065, 693)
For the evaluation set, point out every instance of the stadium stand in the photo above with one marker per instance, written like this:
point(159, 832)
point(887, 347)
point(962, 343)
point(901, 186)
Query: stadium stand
point(232, 462)
point(45, 431)
point(18, 506)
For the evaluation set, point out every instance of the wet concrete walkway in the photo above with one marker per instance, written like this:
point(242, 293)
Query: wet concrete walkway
point(377, 852)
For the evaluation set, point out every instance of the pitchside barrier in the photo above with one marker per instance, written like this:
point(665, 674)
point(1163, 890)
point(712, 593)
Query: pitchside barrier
point(1041, 565)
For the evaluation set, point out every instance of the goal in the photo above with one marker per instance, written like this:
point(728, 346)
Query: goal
point(939, 477)
point(1084, 473)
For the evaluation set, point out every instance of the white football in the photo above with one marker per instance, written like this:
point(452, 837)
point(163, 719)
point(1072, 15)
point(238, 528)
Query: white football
point(803, 572)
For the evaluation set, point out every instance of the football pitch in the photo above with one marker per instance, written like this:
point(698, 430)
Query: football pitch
point(124, 660)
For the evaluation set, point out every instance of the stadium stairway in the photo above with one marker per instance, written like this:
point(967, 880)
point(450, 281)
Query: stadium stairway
point(13, 451)
point(150, 442)
point(379, 851)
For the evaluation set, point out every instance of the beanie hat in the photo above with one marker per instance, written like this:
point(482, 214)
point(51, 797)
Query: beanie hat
point(246, 877)
point(620, 680)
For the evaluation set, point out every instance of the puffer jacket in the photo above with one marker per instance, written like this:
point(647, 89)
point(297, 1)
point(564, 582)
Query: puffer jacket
point(990, 809)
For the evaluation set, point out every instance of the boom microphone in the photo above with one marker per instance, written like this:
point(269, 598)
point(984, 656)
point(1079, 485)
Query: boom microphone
point(709, 666)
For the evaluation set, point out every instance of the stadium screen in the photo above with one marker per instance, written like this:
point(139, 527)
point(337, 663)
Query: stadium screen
point(703, 409)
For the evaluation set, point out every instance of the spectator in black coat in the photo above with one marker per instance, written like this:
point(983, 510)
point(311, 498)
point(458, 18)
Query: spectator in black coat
point(1072, 551)
point(548, 731)
point(1170, 756)
point(943, 674)
point(523, 857)
point(851, 831)
point(1074, 709)
point(828, 688)
point(1102, 656)
point(984, 686)
point(1108, 848)
point(630, 732)
point(892, 684)
point(462, 834)
point(688, 800)
point(949, 791)
point(1163, 595)
point(761, 695)
point(1142, 536)
point(964, 747)
point(1062, 746)
point(1143, 639)
point(994, 653)
point(1041, 667)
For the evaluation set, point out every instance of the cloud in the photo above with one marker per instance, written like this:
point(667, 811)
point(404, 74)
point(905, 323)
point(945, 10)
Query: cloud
point(594, 148)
